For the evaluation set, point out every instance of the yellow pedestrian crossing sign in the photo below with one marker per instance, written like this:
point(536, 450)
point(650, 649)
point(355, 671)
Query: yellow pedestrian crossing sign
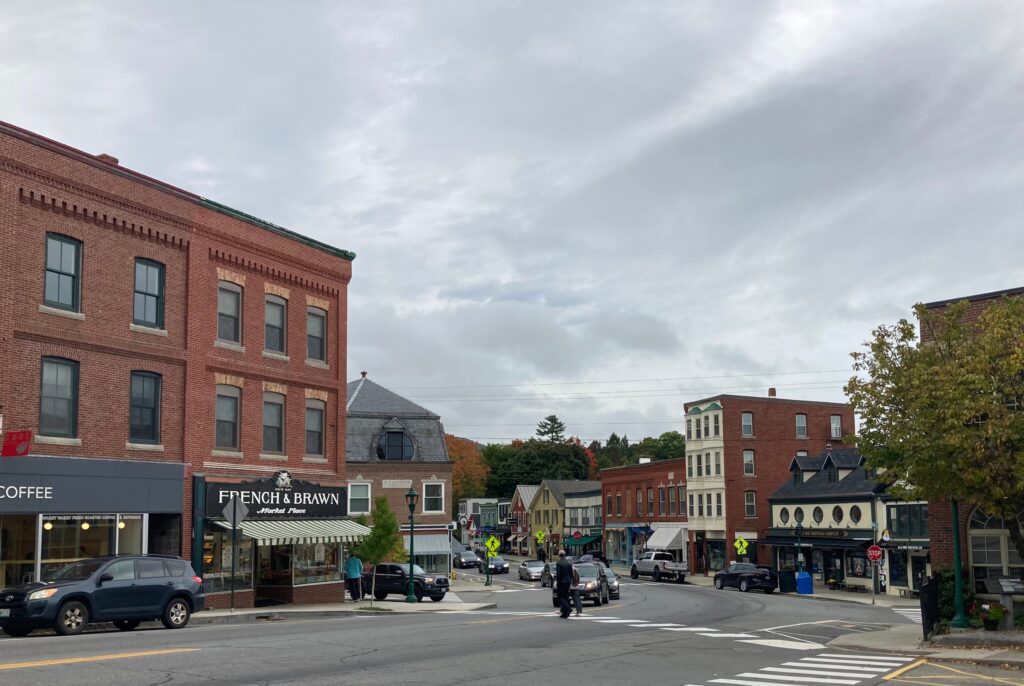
point(540, 537)
point(492, 544)
point(741, 545)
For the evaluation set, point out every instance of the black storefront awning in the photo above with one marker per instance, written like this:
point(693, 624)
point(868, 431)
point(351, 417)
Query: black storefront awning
point(816, 542)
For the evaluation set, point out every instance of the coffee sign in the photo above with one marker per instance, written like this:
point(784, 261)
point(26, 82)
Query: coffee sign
point(279, 498)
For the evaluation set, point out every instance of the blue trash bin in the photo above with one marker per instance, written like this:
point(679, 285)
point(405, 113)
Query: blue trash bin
point(804, 583)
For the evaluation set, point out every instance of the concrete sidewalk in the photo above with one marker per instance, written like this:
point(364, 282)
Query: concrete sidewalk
point(906, 639)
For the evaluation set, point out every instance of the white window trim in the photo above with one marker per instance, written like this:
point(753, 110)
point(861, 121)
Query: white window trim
point(369, 497)
point(424, 499)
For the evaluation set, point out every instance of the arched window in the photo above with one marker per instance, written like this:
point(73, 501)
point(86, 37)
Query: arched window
point(394, 445)
point(993, 554)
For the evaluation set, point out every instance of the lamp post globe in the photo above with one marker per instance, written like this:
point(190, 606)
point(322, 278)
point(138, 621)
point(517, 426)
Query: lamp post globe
point(410, 499)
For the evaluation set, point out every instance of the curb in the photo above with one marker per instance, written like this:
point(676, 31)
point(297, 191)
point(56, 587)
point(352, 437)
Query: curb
point(922, 653)
point(272, 616)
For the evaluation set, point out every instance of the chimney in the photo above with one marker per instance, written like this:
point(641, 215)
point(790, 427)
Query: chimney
point(109, 159)
point(364, 374)
point(771, 391)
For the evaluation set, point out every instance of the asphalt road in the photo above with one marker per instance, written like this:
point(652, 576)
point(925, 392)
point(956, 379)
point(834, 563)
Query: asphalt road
point(663, 634)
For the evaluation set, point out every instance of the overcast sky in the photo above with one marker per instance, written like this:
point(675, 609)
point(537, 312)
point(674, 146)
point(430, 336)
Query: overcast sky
point(599, 210)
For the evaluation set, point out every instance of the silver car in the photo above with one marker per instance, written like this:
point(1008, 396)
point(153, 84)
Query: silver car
point(531, 570)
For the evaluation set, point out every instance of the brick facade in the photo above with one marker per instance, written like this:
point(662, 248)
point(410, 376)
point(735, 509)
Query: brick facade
point(402, 476)
point(774, 444)
point(621, 484)
point(119, 215)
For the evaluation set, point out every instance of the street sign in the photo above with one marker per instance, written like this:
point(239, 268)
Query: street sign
point(16, 443)
point(463, 520)
point(577, 535)
point(492, 544)
point(235, 511)
point(741, 545)
point(874, 553)
point(540, 537)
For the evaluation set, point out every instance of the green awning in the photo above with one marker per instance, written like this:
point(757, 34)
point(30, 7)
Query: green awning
point(582, 540)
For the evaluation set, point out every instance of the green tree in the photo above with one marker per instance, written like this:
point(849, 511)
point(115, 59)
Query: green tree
point(944, 419)
point(551, 429)
point(532, 461)
point(384, 542)
point(670, 444)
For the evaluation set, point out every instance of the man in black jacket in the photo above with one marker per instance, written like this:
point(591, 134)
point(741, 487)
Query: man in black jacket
point(563, 578)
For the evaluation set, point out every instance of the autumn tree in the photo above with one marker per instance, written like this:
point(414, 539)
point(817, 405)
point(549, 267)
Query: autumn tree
point(551, 429)
point(469, 473)
point(945, 419)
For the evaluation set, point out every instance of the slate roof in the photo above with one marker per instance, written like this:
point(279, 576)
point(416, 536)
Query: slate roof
point(560, 488)
point(858, 483)
point(373, 409)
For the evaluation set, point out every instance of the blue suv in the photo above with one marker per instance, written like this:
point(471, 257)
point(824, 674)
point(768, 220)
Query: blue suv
point(123, 589)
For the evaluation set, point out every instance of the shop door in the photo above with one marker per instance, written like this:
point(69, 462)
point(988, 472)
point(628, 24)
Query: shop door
point(918, 566)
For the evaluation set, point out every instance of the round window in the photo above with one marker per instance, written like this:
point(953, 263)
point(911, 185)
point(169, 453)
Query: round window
point(837, 514)
point(818, 515)
point(798, 515)
point(784, 515)
point(855, 514)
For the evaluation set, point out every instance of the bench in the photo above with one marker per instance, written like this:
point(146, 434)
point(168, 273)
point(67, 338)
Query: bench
point(909, 593)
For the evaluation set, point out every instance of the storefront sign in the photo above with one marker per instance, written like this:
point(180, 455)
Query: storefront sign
point(25, 492)
point(16, 443)
point(279, 498)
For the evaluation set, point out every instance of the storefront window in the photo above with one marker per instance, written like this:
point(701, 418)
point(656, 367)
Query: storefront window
point(897, 567)
point(716, 555)
point(857, 565)
point(217, 555)
point(317, 563)
point(129, 534)
point(67, 538)
point(275, 565)
point(17, 549)
point(993, 554)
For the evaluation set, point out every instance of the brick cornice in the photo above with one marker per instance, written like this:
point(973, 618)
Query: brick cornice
point(228, 258)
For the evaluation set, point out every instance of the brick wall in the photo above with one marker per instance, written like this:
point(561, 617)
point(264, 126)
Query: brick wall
point(120, 215)
point(418, 472)
point(625, 480)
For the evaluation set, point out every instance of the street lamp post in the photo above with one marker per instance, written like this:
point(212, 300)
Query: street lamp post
point(410, 498)
point(960, 617)
point(797, 561)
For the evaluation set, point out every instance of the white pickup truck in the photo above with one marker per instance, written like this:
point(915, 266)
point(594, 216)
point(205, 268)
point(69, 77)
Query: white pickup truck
point(659, 565)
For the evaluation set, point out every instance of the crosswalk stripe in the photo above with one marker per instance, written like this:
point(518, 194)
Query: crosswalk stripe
point(696, 629)
point(617, 621)
point(819, 672)
point(657, 626)
point(722, 635)
point(835, 661)
point(800, 679)
point(739, 682)
point(868, 671)
point(865, 656)
point(780, 643)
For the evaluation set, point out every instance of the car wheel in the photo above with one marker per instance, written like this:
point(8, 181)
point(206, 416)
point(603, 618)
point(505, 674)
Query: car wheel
point(744, 586)
point(126, 624)
point(657, 574)
point(769, 590)
point(17, 630)
point(176, 614)
point(437, 598)
point(718, 584)
point(380, 595)
point(418, 592)
point(633, 574)
point(71, 618)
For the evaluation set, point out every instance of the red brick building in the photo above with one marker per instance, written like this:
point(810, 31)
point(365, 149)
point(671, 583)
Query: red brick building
point(738, 452)
point(156, 332)
point(985, 546)
point(638, 500)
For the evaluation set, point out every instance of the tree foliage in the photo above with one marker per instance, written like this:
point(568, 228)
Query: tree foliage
point(551, 429)
point(469, 473)
point(384, 543)
point(945, 419)
point(532, 461)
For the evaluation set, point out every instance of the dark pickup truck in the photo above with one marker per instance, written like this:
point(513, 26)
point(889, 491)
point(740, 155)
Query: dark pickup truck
point(393, 578)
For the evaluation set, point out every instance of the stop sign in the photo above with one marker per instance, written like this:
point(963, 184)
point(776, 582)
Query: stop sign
point(874, 553)
point(577, 535)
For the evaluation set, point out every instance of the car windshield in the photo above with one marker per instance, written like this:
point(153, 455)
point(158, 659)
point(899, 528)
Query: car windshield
point(534, 564)
point(78, 571)
point(497, 560)
point(587, 570)
point(416, 569)
point(469, 553)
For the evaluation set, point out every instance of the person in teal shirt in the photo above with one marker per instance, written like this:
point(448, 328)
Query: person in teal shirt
point(354, 577)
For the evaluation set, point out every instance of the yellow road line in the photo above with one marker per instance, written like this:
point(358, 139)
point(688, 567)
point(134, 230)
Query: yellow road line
point(93, 658)
point(976, 676)
point(904, 669)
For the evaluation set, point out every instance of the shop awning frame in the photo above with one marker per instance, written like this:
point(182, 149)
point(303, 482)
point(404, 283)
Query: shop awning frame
point(817, 542)
point(301, 531)
point(582, 540)
point(667, 538)
point(430, 544)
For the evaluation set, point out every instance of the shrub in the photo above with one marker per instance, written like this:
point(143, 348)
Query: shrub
point(947, 592)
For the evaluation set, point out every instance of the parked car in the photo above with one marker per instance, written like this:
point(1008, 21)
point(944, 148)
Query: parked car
point(594, 556)
point(747, 577)
point(125, 590)
point(465, 558)
point(593, 584)
point(548, 574)
point(393, 578)
point(531, 570)
point(613, 581)
point(497, 564)
point(659, 565)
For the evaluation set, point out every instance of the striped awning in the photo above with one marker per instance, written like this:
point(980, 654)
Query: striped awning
point(430, 544)
point(302, 531)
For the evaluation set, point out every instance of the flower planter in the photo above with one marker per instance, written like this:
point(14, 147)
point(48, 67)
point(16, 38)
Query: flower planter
point(990, 624)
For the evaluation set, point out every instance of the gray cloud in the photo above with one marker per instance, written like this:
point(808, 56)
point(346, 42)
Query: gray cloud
point(671, 199)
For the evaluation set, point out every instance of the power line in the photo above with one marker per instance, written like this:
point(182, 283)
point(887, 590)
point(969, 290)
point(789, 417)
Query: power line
point(639, 393)
point(611, 381)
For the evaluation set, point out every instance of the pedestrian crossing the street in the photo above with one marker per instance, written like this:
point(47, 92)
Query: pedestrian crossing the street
point(839, 669)
point(911, 613)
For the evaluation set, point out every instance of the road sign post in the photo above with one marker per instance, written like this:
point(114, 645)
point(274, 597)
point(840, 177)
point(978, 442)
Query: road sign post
point(874, 554)
point(492, 544)
point(234, 512)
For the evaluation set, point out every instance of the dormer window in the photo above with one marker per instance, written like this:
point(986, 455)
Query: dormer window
point(394, 445)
